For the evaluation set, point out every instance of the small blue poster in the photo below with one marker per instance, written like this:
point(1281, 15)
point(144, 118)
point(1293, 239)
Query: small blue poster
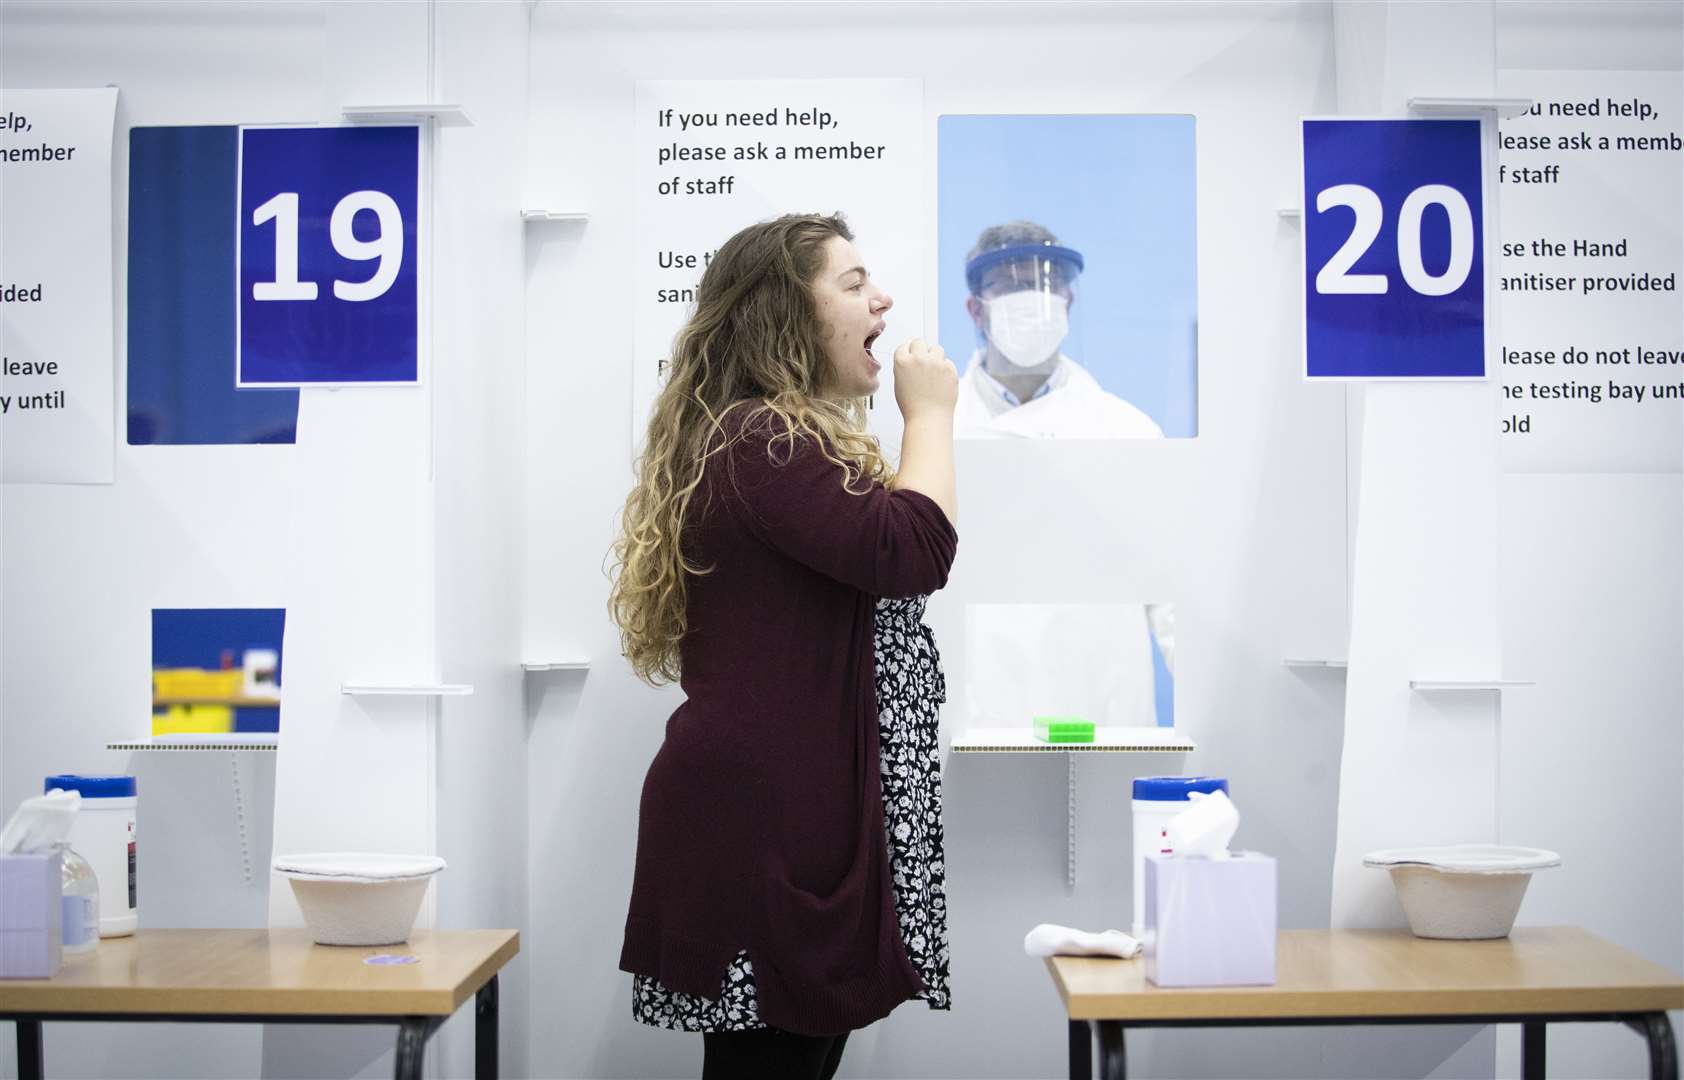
point(182, 217)
point(1394, 250)
point(327, 256)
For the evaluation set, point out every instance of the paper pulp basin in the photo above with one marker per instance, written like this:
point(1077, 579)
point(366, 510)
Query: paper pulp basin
point(1462, 907)
point(360, 912)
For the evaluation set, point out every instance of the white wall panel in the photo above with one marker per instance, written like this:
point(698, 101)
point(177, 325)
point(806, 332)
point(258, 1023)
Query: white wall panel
point(85, 565)
point(1243, 527)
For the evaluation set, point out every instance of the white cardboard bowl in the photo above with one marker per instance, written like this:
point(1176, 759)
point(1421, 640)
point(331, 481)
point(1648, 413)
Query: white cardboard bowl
point(352, 898)
point(1464, 892)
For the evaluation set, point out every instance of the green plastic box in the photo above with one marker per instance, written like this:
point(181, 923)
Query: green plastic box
point(1063, 729)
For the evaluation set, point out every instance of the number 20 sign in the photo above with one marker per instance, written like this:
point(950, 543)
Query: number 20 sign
point(327, 256)
point(1394, 250)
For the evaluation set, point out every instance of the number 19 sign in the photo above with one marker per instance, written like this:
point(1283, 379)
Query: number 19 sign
point(1394, 250)
point(326, 256)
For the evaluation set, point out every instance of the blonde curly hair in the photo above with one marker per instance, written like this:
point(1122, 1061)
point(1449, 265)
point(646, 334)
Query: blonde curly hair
point(753, 343)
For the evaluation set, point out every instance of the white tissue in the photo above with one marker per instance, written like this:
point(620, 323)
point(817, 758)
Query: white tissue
point(40, 823)
point(1048, 939)
point(1205, 827)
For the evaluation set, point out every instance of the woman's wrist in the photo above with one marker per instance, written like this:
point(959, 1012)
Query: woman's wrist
point(934, 420)
point(926, 460)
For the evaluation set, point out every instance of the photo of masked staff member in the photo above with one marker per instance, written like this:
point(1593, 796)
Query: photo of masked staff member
point(1067, 274)
point(1019, 382)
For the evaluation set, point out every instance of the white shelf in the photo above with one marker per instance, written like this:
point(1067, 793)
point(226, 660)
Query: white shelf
point(1139, 740)
point(556, 665)
point(1466, 684)
point(540, 214)
point(1459, 106)
point(443, 690)
point(443, 115)
point(257, 740)
point(1290, 213)
point(1315, 664)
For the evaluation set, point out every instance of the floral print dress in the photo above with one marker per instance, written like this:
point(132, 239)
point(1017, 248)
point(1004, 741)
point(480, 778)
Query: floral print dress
point(910, 691)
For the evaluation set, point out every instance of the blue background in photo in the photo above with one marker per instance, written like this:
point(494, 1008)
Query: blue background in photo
point(196, 637)
point(181, 297)
point(1122, 191)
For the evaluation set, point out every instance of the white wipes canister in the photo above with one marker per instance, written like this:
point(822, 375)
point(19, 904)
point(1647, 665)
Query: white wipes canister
point(104, 834)
point(1157, 799)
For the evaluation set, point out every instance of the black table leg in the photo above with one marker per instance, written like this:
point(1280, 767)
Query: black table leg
point(1081, 1050)
point(485, 1031)
point(413, 1032)
point(1532, 1050)
point(1113, 1060)
point(1663, 1051)
point(30, 1056)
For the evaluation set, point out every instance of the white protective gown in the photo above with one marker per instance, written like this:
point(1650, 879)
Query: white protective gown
point(1074, 406)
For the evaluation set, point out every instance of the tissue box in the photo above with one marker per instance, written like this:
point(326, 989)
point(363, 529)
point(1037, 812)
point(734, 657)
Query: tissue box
point(31, 915)
point(1210, 922)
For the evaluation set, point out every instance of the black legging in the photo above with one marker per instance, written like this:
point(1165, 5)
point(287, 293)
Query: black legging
point(770, 1054)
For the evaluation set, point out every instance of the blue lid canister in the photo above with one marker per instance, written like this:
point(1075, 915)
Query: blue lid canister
point(1177, 788)
point(93, 787)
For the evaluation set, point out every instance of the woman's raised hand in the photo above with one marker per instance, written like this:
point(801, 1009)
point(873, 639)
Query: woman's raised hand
point(925, 380)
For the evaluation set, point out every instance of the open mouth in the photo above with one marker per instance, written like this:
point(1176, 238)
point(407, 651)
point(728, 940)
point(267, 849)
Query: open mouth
point(871, 339)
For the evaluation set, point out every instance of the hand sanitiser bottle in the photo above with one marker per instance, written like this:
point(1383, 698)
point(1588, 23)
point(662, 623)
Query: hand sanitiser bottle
point(104, 834)
point(81, 902)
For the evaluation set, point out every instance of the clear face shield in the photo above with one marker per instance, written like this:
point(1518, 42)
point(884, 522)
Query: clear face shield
point(1027, 292)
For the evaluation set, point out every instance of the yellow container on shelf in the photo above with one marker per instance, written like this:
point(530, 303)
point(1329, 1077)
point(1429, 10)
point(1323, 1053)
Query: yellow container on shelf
point(196, 683)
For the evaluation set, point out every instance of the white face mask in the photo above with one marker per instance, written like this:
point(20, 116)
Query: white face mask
point(1027, 326)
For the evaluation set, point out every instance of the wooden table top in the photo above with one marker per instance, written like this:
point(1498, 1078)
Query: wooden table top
point(1355, 973)
point(265, 972)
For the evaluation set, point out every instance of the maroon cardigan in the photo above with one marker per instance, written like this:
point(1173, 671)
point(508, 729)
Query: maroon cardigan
point(761, 823)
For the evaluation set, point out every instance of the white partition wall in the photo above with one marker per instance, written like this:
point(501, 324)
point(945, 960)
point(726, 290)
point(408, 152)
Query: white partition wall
point(1418, 767)
point(1243, 527)
point(1464, 573)
point(357, 773)
point(389, 532)
point(479, 462)
point(86, 564)
point(1591, 751)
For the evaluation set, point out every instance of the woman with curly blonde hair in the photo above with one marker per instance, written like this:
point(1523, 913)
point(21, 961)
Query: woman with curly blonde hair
point(786, 891)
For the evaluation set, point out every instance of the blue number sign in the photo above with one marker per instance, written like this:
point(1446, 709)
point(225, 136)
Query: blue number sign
point(1394, 250)
point(327, 256)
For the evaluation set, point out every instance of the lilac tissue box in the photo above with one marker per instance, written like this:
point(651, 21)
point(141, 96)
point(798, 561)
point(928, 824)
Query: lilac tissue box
point(31, 916)
point(1210, 922)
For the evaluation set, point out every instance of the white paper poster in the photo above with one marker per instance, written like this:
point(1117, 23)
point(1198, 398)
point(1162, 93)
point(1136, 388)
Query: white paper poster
point(57, 407)
point(1592, 323)
point(714, 156)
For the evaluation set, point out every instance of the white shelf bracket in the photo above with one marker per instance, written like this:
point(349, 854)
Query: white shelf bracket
point(1466, 684)
point(240, 818)
point(531, 214)
point(1469, 106)
point(440, 114)
point(1070, 825)
point(234, 743)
